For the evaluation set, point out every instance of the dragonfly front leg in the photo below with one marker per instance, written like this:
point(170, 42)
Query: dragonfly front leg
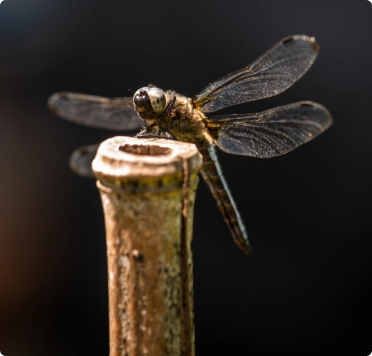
point(164, 116)
point(149, 131)
point(168, 135)
point(155, 131)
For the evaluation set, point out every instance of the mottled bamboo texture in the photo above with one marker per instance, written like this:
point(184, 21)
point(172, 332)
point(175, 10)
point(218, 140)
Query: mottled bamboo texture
point(147, 189)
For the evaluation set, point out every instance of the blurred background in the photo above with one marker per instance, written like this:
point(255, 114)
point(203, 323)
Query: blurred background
point(307, 288)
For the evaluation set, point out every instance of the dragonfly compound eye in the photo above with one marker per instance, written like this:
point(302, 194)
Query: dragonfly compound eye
point(141, 100)
point(157, 99)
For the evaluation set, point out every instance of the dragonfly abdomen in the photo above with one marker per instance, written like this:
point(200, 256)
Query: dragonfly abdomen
point(212, 174)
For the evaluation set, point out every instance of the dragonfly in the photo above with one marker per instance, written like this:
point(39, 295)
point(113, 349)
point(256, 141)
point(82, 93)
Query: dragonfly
point(167, 114)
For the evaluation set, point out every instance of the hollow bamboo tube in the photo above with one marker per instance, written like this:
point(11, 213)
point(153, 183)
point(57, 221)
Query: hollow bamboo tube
point(147, 188)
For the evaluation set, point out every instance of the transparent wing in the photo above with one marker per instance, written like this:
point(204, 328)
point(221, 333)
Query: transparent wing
point(272, 73)
point(95, 111)
point(269, 133)
point(81, 160)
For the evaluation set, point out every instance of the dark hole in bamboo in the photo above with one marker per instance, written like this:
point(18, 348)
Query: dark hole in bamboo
point(146, 150)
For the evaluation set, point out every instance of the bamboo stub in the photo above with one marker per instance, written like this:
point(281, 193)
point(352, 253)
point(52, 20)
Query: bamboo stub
point(147, 188)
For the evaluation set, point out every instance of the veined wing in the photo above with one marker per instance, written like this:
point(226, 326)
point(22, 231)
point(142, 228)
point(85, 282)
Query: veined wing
point(95, 111)
point(81, 160)
point(272, 73)
point(269, 133)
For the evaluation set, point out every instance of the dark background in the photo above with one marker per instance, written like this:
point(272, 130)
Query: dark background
point(306, 289)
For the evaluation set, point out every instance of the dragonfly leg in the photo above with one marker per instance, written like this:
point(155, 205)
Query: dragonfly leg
point(168, 109)
point(155, 132)
point(163, 116)
point(149, 130)
point(168, 135)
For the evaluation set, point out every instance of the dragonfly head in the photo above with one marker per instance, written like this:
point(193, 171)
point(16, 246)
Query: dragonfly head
point(149, 101)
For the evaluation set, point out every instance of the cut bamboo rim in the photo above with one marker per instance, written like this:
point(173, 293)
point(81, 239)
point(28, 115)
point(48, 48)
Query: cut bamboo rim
point(147, 188)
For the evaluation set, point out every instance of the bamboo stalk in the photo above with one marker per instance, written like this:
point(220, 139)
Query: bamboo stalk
point(147, 188)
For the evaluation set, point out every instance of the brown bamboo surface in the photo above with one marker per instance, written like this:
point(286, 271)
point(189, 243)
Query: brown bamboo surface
point(147, 188)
